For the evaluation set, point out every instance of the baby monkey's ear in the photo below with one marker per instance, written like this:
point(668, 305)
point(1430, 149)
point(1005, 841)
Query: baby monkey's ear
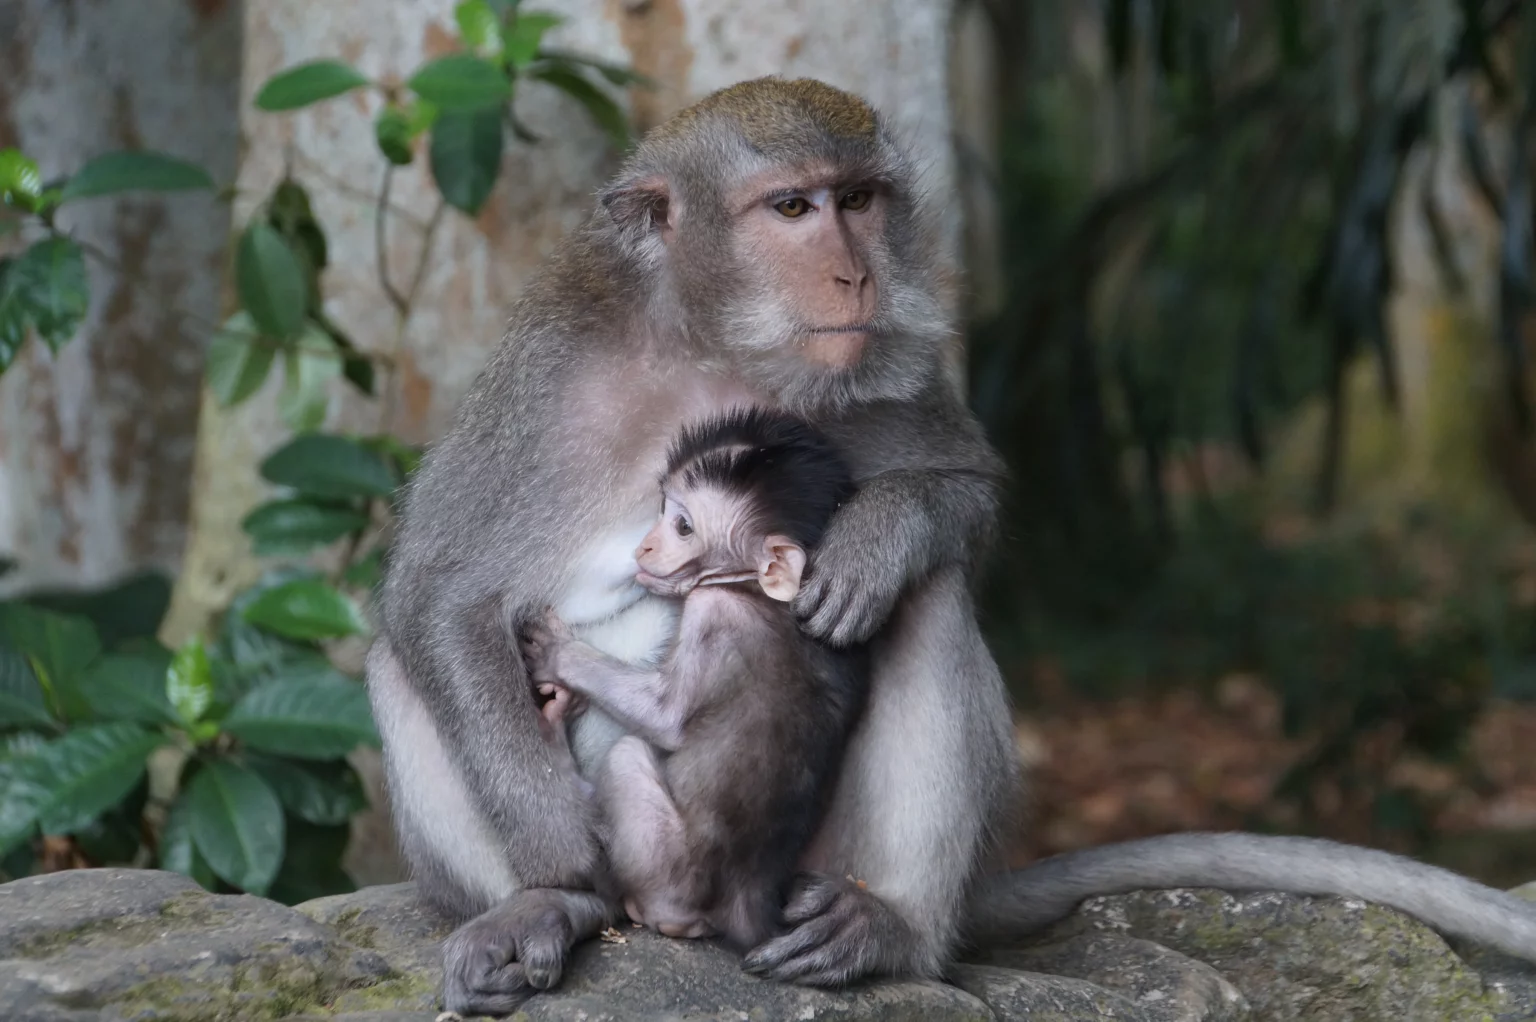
point(779, 566)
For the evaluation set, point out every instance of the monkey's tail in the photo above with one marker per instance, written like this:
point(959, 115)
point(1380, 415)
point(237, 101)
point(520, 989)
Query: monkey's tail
point(1012, 904)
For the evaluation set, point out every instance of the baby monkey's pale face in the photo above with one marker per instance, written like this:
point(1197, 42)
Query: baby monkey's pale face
point(705, 537)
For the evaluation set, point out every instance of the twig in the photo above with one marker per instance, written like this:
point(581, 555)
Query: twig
point(387, 400)
point(381, 254)
point(362, 195)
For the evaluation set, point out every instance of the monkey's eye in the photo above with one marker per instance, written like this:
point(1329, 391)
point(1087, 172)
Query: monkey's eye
point(792, 207)
point(857, 200)
point(683, 528)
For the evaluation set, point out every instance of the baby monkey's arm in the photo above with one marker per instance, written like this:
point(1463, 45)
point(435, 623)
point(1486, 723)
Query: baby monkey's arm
point(643, 701)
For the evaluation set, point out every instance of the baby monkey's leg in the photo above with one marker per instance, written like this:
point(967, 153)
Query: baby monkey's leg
point(648, 842)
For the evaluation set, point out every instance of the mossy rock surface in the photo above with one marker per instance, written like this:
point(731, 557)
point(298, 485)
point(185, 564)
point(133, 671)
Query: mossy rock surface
point(121, 945)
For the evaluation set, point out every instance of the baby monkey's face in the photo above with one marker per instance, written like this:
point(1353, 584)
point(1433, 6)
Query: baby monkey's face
point(706, 537)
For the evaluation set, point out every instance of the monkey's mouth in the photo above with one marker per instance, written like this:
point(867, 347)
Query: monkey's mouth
point(679, 583)
point(856, 328)
point(838, 347)
point(683, 582)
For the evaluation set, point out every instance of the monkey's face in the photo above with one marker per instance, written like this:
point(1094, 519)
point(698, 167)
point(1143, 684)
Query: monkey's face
point(816, 245)
point(820, 306)
point(693, 544)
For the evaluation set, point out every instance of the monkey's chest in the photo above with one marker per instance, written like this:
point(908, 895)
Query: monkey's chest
point(609, 611)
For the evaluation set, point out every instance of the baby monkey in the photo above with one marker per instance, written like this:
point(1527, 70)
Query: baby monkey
point(736, 739)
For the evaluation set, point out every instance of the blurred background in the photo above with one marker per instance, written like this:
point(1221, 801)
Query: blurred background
point(1247, 291)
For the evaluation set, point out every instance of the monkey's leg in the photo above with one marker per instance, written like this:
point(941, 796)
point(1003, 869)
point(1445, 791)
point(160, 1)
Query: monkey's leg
point(647, 840)
point(518, 938)
point(927, 776)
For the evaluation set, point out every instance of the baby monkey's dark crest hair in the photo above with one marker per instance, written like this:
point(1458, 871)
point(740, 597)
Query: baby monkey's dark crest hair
point(790, 472)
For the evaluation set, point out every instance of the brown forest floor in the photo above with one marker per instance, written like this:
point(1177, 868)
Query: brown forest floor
point(1133, 767)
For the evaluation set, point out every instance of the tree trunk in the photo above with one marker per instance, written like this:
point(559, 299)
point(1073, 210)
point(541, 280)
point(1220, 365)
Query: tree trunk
point(96, 444)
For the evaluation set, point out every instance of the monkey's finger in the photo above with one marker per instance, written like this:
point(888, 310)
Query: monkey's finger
point(473, 989)
point(771, 958)
point(828, 964)
point(811, 901)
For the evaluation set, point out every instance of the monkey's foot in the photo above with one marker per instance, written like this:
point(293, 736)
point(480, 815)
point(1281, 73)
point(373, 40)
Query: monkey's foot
point(839, 931)
point(496, 961)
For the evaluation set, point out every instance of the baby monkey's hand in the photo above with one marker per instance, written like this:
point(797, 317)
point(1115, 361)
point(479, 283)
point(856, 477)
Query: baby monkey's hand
point(541, 641)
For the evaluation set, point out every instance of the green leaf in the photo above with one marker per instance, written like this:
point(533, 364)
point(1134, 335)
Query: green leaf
point(608, 115)
point(522, 44)
point(55, 288)
point(392, 132)
point(307, 369)
point(326, 465)
point(307, 609)
point(114, 837)
point(304, 719)
point(323, 793)
point(59, 646)
point(307, 83)
point(21, 698)
point(130, 688)
point(366, 573)
point(75, 778)
point(20, 743)
point(479, 27)
point(238, 360)
point(282, 527)
point(466, 157)
point(237, 824)
point(271, 282)
point(312, 865)
point(13, 313)
point(20, 181)
point(18, 807)
point(461, 81)
point(613, 73)
point(405, 457)
point(129, 609)
point(178, 852)
point(137, 171)
point(189, 681)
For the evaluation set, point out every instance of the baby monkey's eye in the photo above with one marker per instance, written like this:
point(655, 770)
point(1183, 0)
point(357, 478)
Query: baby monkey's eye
point(792, 207)
point(683, 528)
point(856, 201)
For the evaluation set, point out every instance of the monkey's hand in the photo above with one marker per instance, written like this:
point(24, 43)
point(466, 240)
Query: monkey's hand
point(541, 642)
point(851, 585)
point(839, 931)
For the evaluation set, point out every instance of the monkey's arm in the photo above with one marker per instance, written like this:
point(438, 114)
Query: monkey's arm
point(1019, 902)
point(929, 489)
point(636, 698)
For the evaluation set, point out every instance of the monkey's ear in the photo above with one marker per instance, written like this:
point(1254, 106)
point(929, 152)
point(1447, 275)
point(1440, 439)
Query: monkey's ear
point(642, 206)
point(779, 567)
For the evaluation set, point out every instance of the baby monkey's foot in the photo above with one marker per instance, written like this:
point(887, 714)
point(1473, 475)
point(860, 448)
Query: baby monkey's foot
point(559, 702)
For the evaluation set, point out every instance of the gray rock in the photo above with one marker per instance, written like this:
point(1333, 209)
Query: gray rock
point(1303, 958)
point(1025, 995)
point(116, 944)
point(121, 945)
point(1165, 985)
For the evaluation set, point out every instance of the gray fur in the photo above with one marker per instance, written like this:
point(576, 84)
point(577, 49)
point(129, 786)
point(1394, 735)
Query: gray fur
point(1013, 904)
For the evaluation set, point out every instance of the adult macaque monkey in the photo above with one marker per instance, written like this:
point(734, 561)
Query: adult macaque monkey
point(766, 246)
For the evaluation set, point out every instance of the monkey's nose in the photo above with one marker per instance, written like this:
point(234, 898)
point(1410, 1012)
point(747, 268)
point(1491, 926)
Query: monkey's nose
point(852, 279)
